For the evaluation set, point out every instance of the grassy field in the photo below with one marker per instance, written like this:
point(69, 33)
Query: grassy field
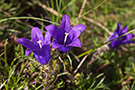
point(93, 66)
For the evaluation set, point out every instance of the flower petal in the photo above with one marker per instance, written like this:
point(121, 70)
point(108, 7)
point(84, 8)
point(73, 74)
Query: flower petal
point(124, 30)
point(27, 52)
point(36, 35)
point(55, 44)
point(118, 30)
point(65, 24)
point(53, 30)
point(75, 43)
point(47, 39)
point(115, 35)
point(27, 43)
point(127, 37)
point(60, 37)
point(65, 49)
point(77, 30)
point(43, 55)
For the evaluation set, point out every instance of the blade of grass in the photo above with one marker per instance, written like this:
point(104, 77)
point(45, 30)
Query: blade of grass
point(13, 18)
point(92, 9)
point(70, 3)
point(62, 63)
point(58, 5)
point(5, 53)
point(52, 5)
point(70, 60)
point(3, 84)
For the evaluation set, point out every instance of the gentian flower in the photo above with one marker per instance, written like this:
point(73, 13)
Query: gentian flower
point(65, 37)
point(39, 47)
point(122, 40)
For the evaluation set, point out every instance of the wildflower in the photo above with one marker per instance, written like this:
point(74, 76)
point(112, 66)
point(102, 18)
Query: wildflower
point(122, 40)
point(39, 47)
point(65, 37)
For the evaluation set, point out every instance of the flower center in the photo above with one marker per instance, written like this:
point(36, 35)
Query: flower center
point(39, 42)
point(66, 35)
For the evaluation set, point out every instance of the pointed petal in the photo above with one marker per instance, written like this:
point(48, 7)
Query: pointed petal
point(36, 35)
point(53, 30)
point(55, 44)
point(127, 37)
point(118, 28)
point(77, 30)
point(112, 44)
point(47, 39)
point(43, 55)
point(27, 52)
point(65, 49)
point(124, 30)
point(115, 35)
point(75, 43)
point(26, 43)
point(65, 24)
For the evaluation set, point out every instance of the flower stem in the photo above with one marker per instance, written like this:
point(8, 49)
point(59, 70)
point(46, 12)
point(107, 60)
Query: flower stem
point(49, 75)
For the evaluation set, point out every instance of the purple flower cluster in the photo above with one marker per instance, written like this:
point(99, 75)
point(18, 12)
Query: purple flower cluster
point(65, 38)
point(122, 40)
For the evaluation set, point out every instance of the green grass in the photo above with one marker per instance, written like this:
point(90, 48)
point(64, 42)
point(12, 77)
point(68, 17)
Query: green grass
point(101, 68)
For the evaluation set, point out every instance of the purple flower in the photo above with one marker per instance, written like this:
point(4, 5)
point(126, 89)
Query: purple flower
point(65, 37)
point(123, 40)
point(39, 47)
